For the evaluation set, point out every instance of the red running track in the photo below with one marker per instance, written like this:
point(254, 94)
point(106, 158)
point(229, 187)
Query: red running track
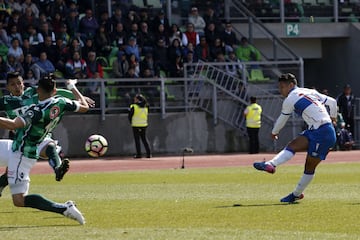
point(113, 164)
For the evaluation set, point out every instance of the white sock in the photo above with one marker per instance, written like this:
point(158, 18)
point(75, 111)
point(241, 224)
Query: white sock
point(282, 157)
point(303, 183)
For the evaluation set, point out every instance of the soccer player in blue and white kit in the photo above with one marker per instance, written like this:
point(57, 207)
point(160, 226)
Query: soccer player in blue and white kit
point(319, 112)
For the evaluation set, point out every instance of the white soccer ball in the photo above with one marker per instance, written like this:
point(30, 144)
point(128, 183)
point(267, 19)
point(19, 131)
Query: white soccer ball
point(96, 145)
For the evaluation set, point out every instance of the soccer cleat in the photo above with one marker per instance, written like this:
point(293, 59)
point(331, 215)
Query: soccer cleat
point(73, 213)
point(267, 167)
point(291, 198)
point(62, 169)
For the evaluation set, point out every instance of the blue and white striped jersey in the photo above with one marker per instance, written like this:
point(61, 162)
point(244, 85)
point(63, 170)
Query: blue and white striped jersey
point(311, 105)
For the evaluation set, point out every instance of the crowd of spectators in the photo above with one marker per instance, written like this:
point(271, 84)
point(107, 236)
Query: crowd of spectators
point(36, 39)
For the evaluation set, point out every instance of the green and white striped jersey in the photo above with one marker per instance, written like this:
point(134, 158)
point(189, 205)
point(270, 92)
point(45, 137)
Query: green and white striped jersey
point(17, 105)
point(40, 120)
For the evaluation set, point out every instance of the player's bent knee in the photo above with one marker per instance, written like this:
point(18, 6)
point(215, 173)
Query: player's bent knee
point(18, 203)
point(18, 191)
point(48, 143)
point(18, 200)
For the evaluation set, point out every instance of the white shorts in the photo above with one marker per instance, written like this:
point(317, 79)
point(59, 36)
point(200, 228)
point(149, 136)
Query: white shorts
point(19, 168)
point(5, 151)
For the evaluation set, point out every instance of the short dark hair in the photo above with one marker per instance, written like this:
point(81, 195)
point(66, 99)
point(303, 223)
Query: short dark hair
point(347, 86)
point(288, 77)
point(14, 39)
point(47, 83)
point(253, 99)
point(140, 97)
point(11, 75)
point(244, 39)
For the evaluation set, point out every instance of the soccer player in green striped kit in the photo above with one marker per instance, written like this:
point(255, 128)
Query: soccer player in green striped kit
point(17, 103)
point(31, 129)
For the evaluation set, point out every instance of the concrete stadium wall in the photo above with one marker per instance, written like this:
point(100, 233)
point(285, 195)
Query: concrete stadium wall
point(166, 136)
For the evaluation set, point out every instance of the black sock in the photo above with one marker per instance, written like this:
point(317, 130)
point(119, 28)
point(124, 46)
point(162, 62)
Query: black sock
point(4, 180)
point(51, 153)
point(39, 202)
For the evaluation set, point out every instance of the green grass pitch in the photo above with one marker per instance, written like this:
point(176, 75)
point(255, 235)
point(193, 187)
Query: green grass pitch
point(214, 203)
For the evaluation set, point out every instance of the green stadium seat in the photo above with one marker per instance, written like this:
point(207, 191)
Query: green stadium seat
point(107, 74)
point(105, 66)
point(111, 60)
point(162, 74)
point(58, 74)
point(107, 71)
point(111, 93)
point(113, 53)
point(168, 95)
point(257, 75)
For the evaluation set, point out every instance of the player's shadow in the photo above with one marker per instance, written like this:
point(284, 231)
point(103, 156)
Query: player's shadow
point(3, 212)
point(11, 228)
point(256, 205)
point(8, 228)
point(9, 211)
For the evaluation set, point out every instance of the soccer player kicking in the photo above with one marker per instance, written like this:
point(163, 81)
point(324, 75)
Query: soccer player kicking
point(32, 127)
point(17, 103)
point(317, 139)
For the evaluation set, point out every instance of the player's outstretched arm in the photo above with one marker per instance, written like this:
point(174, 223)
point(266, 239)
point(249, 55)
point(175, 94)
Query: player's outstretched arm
point(71, 85)
point(332, 105)
point(90, 101)
point(286, 110)
point(11, 124)
point(279, 124)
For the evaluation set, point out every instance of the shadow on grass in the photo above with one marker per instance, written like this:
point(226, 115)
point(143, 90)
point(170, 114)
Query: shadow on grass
point(3, 212)
point(8, 228)
point(11, 228)
point(257, 205)
point(15, 212)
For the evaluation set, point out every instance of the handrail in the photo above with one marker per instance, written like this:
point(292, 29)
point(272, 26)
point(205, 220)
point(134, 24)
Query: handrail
point(225, 96)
